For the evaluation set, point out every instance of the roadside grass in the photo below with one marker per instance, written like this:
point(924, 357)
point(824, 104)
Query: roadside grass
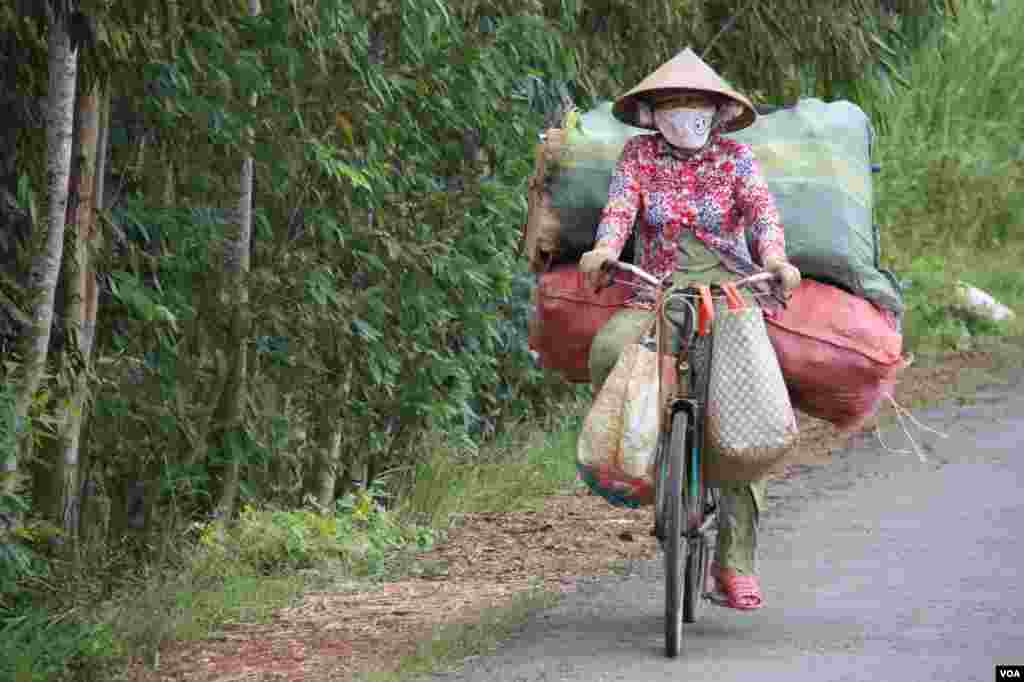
point(66, 621)
point(450, 645)
point(38, 643)
point(244, 571)
point(934, 323)
point(527, 464)
point(190, 604)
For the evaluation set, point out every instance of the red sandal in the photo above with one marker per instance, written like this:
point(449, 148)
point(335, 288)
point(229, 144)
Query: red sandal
point(735, 591)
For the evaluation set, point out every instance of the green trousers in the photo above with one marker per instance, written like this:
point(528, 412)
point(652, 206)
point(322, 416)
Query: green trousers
point(739, 504)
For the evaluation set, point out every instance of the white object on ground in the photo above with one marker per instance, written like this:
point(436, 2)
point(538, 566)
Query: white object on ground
point(978, 303)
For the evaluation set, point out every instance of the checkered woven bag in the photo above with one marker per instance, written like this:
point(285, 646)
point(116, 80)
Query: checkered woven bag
point(750, 420)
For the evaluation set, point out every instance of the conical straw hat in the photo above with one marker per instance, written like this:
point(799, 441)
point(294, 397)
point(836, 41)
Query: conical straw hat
point(685, 71)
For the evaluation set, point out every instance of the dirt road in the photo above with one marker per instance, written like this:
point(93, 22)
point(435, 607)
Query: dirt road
point(876, 567)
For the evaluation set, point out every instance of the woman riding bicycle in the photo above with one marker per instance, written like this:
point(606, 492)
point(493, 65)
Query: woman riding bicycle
point(697, 196)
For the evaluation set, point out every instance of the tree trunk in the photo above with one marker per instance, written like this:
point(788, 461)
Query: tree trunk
point(328, 456)
point(327, 461)
point(45, 269)
point(102, 152)
point(80, 314)
point(231, 411)
point(94, 521)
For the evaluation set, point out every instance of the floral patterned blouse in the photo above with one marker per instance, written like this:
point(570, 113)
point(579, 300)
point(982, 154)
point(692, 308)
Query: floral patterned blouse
point(718, 192)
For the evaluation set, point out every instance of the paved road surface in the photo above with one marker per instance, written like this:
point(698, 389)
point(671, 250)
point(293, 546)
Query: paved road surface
point(876, 567)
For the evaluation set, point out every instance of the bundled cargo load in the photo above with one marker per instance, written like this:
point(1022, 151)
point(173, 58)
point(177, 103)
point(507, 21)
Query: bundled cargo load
point(816, 157)
point(573, 169)
point(567, 315)
point(838, 341)
point(840, 354)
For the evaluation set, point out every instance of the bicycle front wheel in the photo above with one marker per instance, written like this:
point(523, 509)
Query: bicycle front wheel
point(675, 542)
point(696, 574)
point(694, 501)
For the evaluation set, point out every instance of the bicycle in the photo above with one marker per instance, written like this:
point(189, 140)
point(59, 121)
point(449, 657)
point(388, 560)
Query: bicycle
point(681, 494)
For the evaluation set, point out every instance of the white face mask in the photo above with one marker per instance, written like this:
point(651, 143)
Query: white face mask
point(686, 128)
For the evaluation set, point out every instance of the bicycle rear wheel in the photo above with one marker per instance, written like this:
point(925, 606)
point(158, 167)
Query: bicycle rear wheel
point(675, 543)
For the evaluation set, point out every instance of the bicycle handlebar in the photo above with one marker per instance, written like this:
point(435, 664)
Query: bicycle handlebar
point(636, 272)
point(648, 278)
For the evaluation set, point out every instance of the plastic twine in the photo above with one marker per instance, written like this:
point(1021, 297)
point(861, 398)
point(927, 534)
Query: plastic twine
point(903, 414)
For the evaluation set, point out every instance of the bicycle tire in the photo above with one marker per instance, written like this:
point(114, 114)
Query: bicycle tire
point(693, 512)
point(660, 483)
point(675, 543)
point(696, 567)
point(696, 504)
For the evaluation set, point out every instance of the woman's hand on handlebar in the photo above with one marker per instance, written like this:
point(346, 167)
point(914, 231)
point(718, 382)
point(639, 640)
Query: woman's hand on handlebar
point(599, 266)
point(787, 273)
point(594, 266)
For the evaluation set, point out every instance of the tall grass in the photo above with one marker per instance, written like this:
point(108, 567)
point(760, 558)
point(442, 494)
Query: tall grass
point(950, 199)
point(527, 464)
point(953, 156)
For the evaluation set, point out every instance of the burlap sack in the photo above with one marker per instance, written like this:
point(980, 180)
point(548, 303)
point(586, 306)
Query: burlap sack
point(543, 226)
point(569, 188)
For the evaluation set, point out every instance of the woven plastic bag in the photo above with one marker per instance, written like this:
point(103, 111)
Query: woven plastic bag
point(617, 445)
point(816, 158)
point(640, 416)
point(750, 420)
point(840, 355)
point(568, 314)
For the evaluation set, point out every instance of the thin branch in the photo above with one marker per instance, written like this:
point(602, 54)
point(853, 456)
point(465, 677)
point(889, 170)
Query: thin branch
point(728, 25)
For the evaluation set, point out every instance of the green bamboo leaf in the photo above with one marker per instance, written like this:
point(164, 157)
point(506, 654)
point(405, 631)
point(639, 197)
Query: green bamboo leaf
point(365, 330)
point(882, 44)
point(357, 177)
point(440, 4)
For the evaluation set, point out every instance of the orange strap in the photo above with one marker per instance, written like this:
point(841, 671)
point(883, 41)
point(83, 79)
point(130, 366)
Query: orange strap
point(732, 295)
point(707, 311)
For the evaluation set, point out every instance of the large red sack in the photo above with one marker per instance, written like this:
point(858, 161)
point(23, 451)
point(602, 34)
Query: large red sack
point(840, 354)
point(567, 317)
